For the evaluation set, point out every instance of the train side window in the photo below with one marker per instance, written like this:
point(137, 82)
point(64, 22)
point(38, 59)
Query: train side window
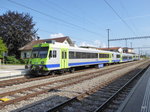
point(112, 55)
point(96, 55)
point(71, 55)
point(83, 55)
point(62, 54)
point(118, 56)
point(65, 55)
point(88, 55)
point(54, 53)
point(103, 55)
point(77, 54)
point(50, 54)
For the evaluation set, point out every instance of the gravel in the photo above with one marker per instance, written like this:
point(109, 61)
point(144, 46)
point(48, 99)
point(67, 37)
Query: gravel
point(59, 96)
point(28, 84)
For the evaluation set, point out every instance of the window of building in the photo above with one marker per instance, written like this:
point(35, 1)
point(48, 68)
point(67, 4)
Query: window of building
point(25, 55)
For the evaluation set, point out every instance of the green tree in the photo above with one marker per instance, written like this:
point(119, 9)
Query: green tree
point(3, 48)
point(16, 30)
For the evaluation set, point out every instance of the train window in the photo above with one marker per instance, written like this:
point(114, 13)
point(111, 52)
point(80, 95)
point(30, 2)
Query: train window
point(82, 55)
point(42, 54)
point(124, 57)
point(112, 55)
point(54, 53)
point(106, 55)
point(88, 55)
point(50, 54)
point(65, 55)
point(103, 55)
point(96, 55)
point(62, 55)
point(130, 57)
point(71, 55)
point(118, 56)
point(78, 55)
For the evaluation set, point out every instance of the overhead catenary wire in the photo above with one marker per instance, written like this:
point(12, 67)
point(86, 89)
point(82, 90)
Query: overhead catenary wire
point(54, 32)
point(55, 18)
point(128, 26)
point(125, 9)
point(71, 14)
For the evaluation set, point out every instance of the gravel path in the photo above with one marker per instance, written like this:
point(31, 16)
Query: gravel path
point(60, 95)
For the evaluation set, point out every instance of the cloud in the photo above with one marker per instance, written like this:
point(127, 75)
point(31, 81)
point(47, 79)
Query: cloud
point(57, 35)
point(95, 43)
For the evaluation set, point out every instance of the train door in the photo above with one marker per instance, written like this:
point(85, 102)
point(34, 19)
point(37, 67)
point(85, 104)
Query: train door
point(121, 57)
point(110, 58)
point(64, 58)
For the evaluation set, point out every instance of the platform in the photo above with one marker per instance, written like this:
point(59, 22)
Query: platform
point(8, 71)
point(138, 99)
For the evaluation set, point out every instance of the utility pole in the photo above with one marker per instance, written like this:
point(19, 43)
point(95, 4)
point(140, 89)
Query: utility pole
point(108, 37)
point(131, 44)
point(139, 51)
point(126, 43)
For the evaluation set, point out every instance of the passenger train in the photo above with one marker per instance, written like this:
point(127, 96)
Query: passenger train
point(50, 58)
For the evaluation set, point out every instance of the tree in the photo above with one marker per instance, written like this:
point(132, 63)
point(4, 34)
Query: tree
point(16, 30)
point(3, 48)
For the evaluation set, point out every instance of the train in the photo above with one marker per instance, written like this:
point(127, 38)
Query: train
point(53, 57)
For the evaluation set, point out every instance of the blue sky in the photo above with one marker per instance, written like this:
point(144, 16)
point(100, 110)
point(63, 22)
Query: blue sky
point(86, 21)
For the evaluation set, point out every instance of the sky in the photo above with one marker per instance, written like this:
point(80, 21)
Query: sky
point(86, 21)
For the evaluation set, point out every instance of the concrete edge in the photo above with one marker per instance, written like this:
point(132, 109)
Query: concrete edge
point(122, 106)
point(12, 74)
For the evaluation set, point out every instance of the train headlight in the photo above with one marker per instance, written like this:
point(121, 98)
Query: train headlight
point(42, 62)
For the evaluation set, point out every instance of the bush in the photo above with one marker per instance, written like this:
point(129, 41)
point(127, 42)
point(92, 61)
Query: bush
point(23, 61)
point(11, 60)
point(1, 56)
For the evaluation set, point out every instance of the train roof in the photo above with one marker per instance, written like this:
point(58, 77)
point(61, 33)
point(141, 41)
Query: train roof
point(60, 45)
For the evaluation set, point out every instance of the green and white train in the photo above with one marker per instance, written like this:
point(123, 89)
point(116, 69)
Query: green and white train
point(49, 58)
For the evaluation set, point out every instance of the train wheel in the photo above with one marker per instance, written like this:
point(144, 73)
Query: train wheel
point(52, 73)
point(72, 70)
point(61, 71)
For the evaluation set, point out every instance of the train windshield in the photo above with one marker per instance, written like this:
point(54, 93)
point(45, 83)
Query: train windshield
point(39, 52)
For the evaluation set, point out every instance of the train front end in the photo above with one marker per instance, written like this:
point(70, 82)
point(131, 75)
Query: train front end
point(37, 63)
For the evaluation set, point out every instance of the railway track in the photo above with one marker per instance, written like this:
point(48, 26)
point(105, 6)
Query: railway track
point(25, 79)
point(21, 80)
point(102, 100)
point(25, 93)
